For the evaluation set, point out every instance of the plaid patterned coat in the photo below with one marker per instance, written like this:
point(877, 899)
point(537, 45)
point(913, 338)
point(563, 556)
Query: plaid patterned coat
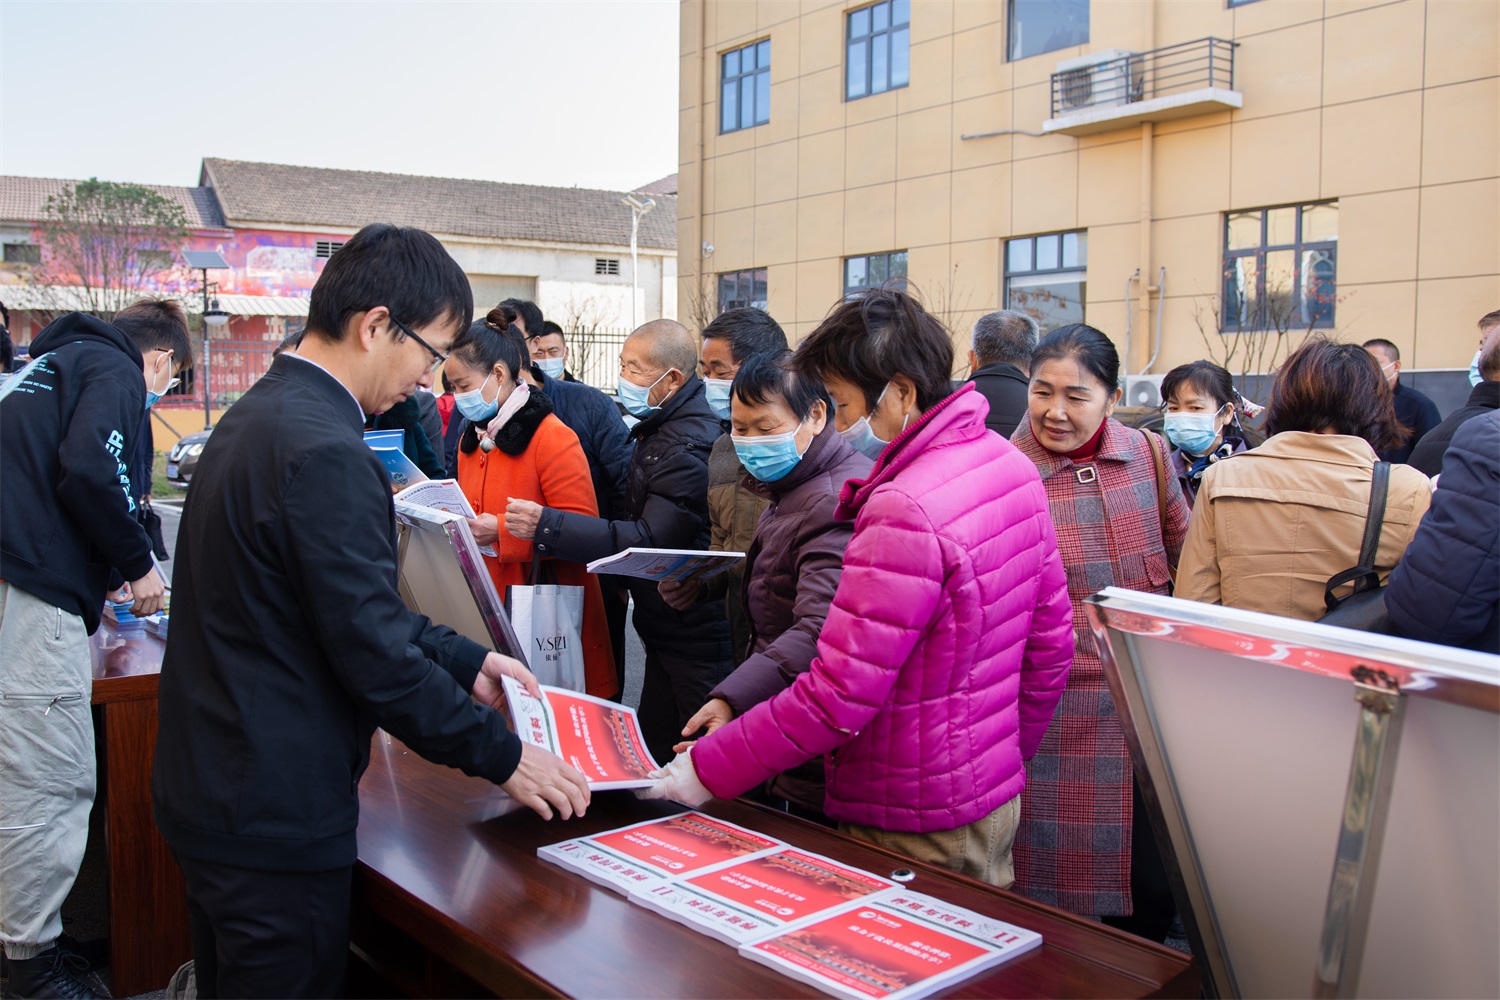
point(1073, 846)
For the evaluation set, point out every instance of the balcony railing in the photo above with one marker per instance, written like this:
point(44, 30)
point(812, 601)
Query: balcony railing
point(1173, 80)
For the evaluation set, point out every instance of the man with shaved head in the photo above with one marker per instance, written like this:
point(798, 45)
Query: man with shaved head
point(666, 507)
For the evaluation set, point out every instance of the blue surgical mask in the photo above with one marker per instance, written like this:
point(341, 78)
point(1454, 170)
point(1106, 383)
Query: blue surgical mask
point(1193, 433)
point(1474, 377)
point(716, 392)
point(862, 436)
point(475, 408)
point(635, 398)
point(768, 457)
point(153, 397)
point(551, 367)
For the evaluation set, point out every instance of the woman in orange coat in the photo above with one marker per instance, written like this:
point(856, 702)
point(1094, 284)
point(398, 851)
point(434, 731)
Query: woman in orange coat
point(515, 448)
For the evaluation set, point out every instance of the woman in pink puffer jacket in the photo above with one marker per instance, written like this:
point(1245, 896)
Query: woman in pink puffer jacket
point(950, 635)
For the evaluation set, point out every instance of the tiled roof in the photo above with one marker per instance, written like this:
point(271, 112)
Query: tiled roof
point(667, 185)
point(24, 199)
point(315, 196)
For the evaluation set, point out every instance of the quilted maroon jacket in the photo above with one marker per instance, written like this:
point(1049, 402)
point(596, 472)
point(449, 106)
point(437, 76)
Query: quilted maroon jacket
point(946, 647)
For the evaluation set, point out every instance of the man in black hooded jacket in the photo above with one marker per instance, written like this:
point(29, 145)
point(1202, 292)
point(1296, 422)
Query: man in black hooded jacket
point(67, 517)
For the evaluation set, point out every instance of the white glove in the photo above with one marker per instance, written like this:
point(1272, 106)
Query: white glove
point(677, 781)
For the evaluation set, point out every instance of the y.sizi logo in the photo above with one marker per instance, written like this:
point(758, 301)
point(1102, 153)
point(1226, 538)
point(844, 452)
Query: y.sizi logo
point(551, 647)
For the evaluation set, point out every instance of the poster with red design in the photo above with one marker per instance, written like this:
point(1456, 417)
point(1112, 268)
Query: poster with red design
point(635, 859)
point(896, 945)
point(601, 738)
point(746, 900)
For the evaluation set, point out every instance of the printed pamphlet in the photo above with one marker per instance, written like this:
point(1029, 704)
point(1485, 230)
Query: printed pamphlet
point(387, 447)
point(747, 900)
point(441, 494)
point(638, 858)
point(601, 738)
point(895, 945)
point(677, 565)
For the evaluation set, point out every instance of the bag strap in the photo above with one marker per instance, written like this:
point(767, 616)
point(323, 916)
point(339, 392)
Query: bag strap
point(537, 571)
point(1363, 574)
point(1160, 465)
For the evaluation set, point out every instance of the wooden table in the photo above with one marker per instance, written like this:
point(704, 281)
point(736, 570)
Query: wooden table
point(450, 899)
point(148, 924)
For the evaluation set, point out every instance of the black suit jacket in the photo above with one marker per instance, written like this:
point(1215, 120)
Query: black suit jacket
point(1427, 456)
point(290, 644)
point(1416, 412)
point(1005, 386)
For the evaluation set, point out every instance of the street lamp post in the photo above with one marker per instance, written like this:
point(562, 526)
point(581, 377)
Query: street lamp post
point(637, 208)
point(204, 261)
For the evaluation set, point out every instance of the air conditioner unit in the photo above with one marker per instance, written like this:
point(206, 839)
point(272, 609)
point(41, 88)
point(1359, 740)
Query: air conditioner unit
point(1142, 390)
point(1098, 80)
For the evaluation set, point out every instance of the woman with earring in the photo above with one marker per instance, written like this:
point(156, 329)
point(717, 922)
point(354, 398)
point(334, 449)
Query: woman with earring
point(514, 447)
point(1085, 843)
point(1201, 421)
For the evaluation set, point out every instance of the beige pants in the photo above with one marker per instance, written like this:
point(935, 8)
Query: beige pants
point(980, 850)
point(46, 766)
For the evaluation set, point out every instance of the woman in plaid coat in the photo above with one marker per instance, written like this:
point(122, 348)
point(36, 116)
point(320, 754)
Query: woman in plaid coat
point(1084, 843)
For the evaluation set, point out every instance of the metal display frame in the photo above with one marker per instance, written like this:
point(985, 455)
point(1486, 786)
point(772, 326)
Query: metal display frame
point(1384, 675)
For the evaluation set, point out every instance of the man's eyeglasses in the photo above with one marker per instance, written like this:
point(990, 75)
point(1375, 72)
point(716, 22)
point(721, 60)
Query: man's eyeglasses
point(437, 358)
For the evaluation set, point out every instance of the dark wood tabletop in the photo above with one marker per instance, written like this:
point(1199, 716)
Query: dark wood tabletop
point(127, 662)
point(451, 862)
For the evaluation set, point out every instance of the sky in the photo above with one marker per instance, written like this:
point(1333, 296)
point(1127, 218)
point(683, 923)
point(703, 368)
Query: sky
point(556, 92)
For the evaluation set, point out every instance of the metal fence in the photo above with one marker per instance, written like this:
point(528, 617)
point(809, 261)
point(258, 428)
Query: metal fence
point(594, 355)
point(1207, 62)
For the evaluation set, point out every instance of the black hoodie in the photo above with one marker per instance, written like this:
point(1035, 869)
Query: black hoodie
point(68, 424)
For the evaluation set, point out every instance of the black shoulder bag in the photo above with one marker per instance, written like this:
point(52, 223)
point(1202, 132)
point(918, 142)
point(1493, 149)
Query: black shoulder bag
point(1364, 607)
point(151, 521)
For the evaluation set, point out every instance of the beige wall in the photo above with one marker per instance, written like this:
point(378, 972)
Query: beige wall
point(1392, 108)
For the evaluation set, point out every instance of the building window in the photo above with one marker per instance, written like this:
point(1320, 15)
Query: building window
point(606, 265)
point(153, 260)
point(873, 271)
point(738, 289)
point(1038, 26)
point(1046, 277)
point(1239, 3)
point(23, 253)
point(327, 248)
point(879, 49)
point(1280, 267)
point(746, 91)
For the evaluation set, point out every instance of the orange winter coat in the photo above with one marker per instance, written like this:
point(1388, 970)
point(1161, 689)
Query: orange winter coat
point(538, 458)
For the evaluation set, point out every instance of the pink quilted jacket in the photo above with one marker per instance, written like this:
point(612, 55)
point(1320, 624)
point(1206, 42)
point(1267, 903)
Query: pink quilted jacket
point(945, 650)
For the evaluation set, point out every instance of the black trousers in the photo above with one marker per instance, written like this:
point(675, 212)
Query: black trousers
point(673, 690)
point(616, 611)
point(267, 934)
point(1150, 891)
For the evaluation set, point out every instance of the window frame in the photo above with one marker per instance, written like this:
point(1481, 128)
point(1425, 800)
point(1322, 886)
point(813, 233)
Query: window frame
point(26, 253)
point(889, 255)
point(761, 70)
point(1080, 267)
point(873, 37)
point(741, 275)
point(1299, 248)
point(1010, 33)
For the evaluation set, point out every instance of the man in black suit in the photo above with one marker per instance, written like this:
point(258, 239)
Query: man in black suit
point(1415, 411)
point(290, 644)
point(1001, 364)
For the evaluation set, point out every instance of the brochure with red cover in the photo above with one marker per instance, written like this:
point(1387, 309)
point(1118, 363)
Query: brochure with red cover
point(895, 945)
point(637, 858)
point(746, 900)
point(601, 738)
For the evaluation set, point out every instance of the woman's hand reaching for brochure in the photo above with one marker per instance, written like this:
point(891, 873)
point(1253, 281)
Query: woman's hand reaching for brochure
point(487, 687)
point(485, 528)
point(680, 595)
point(542, 782)
point(677, 781)
point(522, 518)
point(710, 717)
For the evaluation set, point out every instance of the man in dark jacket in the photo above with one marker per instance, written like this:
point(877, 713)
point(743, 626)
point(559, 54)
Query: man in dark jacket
point(290, 643)
point(1446, 588)
point(666, 507)
point(1001, 362)
point(67, 517)
point(1427, 456)
point(1414, 410)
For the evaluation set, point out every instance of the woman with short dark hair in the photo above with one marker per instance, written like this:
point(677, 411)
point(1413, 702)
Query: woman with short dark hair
point(1273, 525)
point(1084, 842)
point(948, 639)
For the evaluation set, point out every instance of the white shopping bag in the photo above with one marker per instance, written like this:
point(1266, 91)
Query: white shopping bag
point(548, 619)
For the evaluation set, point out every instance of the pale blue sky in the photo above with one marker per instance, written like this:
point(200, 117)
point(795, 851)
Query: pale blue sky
point(561, 92)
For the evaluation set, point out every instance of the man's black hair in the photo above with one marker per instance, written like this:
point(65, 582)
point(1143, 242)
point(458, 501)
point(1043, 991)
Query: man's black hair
point(1385, 345)
point(530, 313)
point(157, 325)
point(750, 331)
point(404, 269)
point(766, 377)
point(549, 328)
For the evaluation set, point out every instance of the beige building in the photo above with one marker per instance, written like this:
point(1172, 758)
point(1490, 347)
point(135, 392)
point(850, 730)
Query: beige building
point(1206, 167)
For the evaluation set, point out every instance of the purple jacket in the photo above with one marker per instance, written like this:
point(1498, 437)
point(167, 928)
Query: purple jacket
point(945, 650)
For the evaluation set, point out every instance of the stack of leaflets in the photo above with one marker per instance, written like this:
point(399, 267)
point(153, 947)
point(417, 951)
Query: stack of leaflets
point(119, 613)
point(848, 932)
point(387, 445)
point(675, 565)
point(601, 738)
point(157, 624)
point(440, 494)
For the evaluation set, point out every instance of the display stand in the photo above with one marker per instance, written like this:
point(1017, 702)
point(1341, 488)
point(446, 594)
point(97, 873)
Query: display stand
point(1242, 728)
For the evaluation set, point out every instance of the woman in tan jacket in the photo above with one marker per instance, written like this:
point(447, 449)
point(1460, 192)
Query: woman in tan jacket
point(1272, 525)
